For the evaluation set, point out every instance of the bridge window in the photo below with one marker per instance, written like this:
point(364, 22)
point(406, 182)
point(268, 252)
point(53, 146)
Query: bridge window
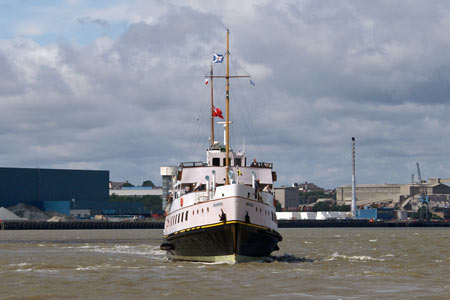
point(216, 161)
point(238, 161)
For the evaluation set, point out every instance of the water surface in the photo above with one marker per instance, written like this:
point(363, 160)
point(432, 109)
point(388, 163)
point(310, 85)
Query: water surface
point(322, 263)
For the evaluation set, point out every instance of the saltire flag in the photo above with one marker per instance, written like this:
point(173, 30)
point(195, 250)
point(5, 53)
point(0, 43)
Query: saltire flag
point(217, 58)
point(217, 113)
point(206, 81)
point(252, 83)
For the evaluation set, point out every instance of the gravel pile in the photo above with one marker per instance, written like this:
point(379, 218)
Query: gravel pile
point(33, 213)
point(6, 215)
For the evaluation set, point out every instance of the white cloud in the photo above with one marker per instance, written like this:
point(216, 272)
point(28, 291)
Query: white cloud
point(324, 71)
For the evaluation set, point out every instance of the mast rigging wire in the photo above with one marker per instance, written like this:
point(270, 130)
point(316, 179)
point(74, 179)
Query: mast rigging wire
point(254, 134)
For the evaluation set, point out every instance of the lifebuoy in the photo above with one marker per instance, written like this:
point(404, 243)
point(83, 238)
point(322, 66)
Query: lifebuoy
point(181, 201)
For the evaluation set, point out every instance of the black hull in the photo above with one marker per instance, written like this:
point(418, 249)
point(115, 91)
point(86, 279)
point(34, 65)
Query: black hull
point(233, 241)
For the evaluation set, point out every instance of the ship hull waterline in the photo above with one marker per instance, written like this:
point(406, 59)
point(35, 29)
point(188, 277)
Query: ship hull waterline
point(232, 241)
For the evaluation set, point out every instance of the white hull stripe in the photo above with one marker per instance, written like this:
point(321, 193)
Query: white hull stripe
point(233, 258)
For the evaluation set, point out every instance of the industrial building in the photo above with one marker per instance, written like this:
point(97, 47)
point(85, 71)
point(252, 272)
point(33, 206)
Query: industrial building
point(287, 196)
point(399, 196)
point(367, 192)
point(61, 191)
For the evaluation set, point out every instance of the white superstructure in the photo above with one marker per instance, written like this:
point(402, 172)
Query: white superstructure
point(191, 208)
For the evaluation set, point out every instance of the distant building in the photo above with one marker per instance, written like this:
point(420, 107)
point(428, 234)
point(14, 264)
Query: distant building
point(401, 196)
point(307, 187)
point(116, 185)
point(287, 196)
point(62, 191)
point(137, 191)
point(376, 192)
point(439, 180)
point(328, 200)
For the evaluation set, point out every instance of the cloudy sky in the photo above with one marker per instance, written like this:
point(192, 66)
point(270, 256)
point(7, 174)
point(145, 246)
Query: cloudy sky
point(119, 86)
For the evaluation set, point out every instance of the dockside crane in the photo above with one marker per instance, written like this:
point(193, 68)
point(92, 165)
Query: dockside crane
point(419, 176)
point(424, 198)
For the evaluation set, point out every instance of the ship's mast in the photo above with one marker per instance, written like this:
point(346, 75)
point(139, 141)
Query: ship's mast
point(212, 109)
point(227, 122)
point(227, 160)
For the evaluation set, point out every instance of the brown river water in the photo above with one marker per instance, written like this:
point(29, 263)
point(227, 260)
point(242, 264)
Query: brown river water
point(313, 263)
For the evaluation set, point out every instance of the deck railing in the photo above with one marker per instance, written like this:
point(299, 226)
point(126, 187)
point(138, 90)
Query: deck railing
point(192, 164)
point(260, 164)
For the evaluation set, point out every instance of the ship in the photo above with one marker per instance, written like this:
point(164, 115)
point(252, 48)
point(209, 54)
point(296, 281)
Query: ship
point(221, 210)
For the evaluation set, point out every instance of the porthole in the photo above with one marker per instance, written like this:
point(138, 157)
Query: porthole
point(186, 216)
point(197, 211)
point(182, 216)
point(202, 210)
point(207, 209)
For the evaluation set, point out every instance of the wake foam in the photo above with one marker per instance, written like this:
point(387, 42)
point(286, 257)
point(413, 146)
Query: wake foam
point(287, 258)
point(336, 255)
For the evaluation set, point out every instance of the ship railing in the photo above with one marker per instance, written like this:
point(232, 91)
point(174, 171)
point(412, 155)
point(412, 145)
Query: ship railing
point(202, 196)
point(192, 164)
point(261, 164)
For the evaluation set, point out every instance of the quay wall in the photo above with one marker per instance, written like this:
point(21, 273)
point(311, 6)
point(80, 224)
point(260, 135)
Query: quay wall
point(43, 225)
point(357, 223)
point(31, 225)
